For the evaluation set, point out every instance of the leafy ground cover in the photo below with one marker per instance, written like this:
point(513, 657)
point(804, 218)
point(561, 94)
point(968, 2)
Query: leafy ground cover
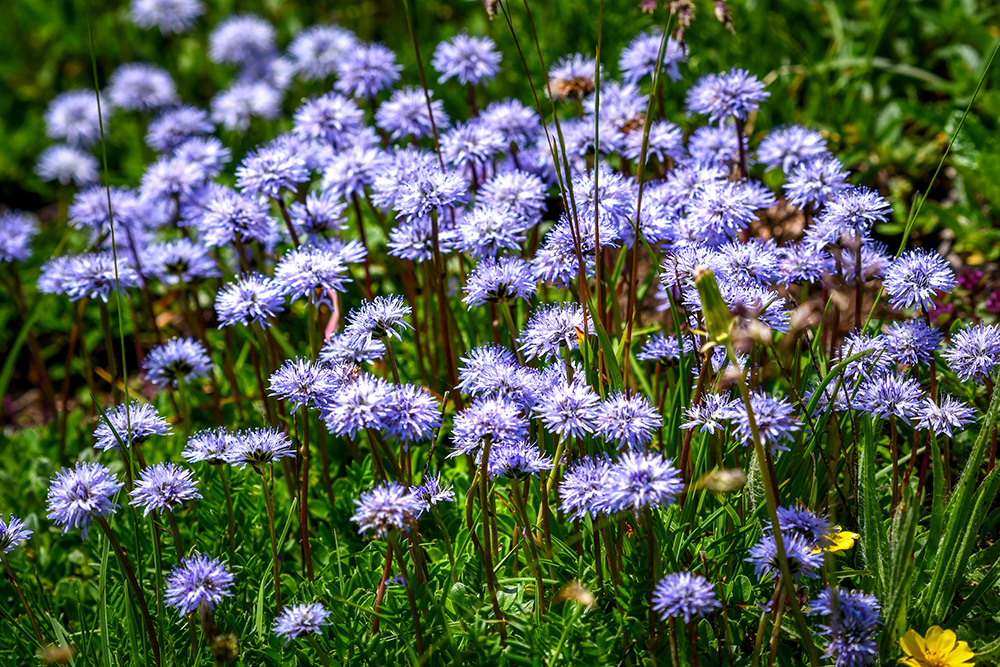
point(404, 334)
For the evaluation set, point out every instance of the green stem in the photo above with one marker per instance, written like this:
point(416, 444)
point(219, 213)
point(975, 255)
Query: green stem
point(269, 507)
point(24, 601)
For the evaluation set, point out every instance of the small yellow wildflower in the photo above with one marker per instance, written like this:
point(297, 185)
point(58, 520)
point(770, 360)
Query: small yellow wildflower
point(940, 648)
point(837, 541)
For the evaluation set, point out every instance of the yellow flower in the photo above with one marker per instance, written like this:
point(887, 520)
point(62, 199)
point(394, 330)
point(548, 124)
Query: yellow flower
point(940, 648)
point(841, 540)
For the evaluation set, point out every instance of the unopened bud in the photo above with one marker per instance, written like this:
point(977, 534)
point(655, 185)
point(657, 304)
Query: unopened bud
point(723, 481)
point(577, 592)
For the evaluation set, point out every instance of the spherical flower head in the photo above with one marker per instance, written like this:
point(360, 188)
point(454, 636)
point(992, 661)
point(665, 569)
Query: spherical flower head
point(197, 580)
point(433, 491)
point(91, 275)
point(12, 534)
point(366, 70)
point(141, 87)
point(163, 487)
point(390, 506)
point(259, 447)
point(170, 16)
point(382, 318)
point(939, 648)
point(947, 414)
point(720, 210)
point(230, 215)
point(684, 595)
point(495, 418)
point(974, 352)
point(329, 119)
point(551, 328)
point(17, 231)
point(309, 272)
point(663, 349)
point(405, 115)
point(850, 627)
point(350, 171)
point(572, 76)
point(569, 409)
point(173, 127)
point(582, 489)
point(470, 60)
point(815, 181)
point(802, 263)
point(916, 277)
point(521, 192)
point(180, 261)
point(487, 230)
point(72, 117)
point(208, 154)
point(912, 342)
point(213, 446)
point(518, 460)
point(478, 361)
point(178, 360)
point(269, 170)
point(302, 381)
point(363, 402)
point(321, 212)
point(430, 189)
point(412, 413)
point(788, 146)
point(132, 423)
point(299, 620)
point(341, 348)
point(711, 415)
point(499, 280)
point(803, 558)
point(629, 421)
point(800, 521)
point(241, 40)
point(234, 107)
point(735, 94)
point(849, 214)
point(78, 495)
point(638, 59)
point(253, 298)
point(891, 395)
point(67, 165)
point(470, 145)
point(774, 416)
point(316, 50)
point(640, 481)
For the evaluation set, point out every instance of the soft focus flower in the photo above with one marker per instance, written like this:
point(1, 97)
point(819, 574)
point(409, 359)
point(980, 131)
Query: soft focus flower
point(178, 360)
point(67, 165)
point(939, 648)
point(197, 580)
point(684, 595)
point(141, 87)
point(851, 626)
point(299, 620)
point(468, 59)
point(12, 534)
point(132, 424)
point(170, 16)
point(17, 231)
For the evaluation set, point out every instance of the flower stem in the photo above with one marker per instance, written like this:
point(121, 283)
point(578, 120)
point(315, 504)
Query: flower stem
point(529, 537)
point(304, 497)
point(414, 614)
point(231, 529)
point(24, 601)
point(269, 507)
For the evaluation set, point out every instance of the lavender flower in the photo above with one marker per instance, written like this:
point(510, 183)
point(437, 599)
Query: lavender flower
point(342, 348)
point(947, 414)
point(583, 486)
point(365, 70)
point(381, 318)
point(786, 147)
point(17, 231)
point(180, 261)
point(67, 165)
point(851, 626)
point(629, 421)
point(572, 76)
point(663, 349)
point(891, 395)
point(638, 59)
point(390, 506)
point(316, 50)
point(321, 212)
point(178, 360)
point(711, 413)
point(471, 60)
point(639, 481)
point(361, 403)
point(433, 491)
point(974, 352)
point(815, 181)
point(813, 528)
point(231, 216)
point(241, 40)
point(412, 413)
point(329, 119)
point(774, 417)
point(912, 342)
point(170, 16)
point(12, 534)
point(684, 595)
point(132, 423)
point(849, 215)
point(302, 382)
point(915, 277)
point(234, 107)
point(269, 170)
point(803, 558)
point(517, 459)
point(405, 115)
point(163, 487)
point(732, 94)
point(552, 328)
point(141, 87)
point(214, 446)
point(72, 117)
point(496, 419)
point(309, 272)
point(299, 620)
point(499, 280)
point(569, 409)
point(259, 447)
point(78, 495)
point(197, 580)
point(253, 298)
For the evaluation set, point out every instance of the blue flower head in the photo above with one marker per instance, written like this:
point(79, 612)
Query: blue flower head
point(178, 360)
point(684, 595)
point(132, 423)
point(974, 352)
point(732, 94)
point(640, 481)
point(366, 70)
point(299, 620)
point(214, 446)
point(79, 494)
point(498, 280)
point(170, 16)
point(253, 298)
point(382, 318)
point(17, 231)
point(12, 534)
point(390, 506)
point(162, 487)
point(582, 489)
point(141, 87)
point(468, 59)
point(850, 626)
point(259, 447)
point(197, 580)
point(916, 277)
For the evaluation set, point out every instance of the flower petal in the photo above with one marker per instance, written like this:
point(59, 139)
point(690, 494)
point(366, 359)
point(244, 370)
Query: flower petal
point(913, 645)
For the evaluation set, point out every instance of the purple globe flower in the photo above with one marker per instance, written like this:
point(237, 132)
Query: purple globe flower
point(433, 491)
point(234, 107)
point(685, 595)
point(271, 169)
point(12, 534)
point(309, 272)
point(141, 87)
point(17, 231)
point(366, 70)
point(253, 298)
point(583, 487)
point(851, 626)
point(316, 50)
point(814, 182)
point(628, 421)
point(412, 413)
point(803, 558)
point(170, 16)
point(132, 424)
point(213, 446)
point(947, 414)
point(496, 419)
point(180, 261)
point(163, 487)
point(241, 40)
point(175, 126)
point(498, 280)
point(553, 327)
point(78, 495)
point(774, 417)
point(518, 460)
point(569, 409)
point(891, 395)
point(67, 165)
point(382, 318)
point(178, 360)
point(72, 117)
point(330, 119)
point(974, 352)
point(299, 620)
point(363, 402)
point(916, 277)
point(735, 94)
point(259, 447)
point(405, 115)
point(390, 506)
point(638, 59)
point(303, 381)
point(471, 60)
point(912, 342)
point(640, 481)
point(197, 580)
point(788, 146)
